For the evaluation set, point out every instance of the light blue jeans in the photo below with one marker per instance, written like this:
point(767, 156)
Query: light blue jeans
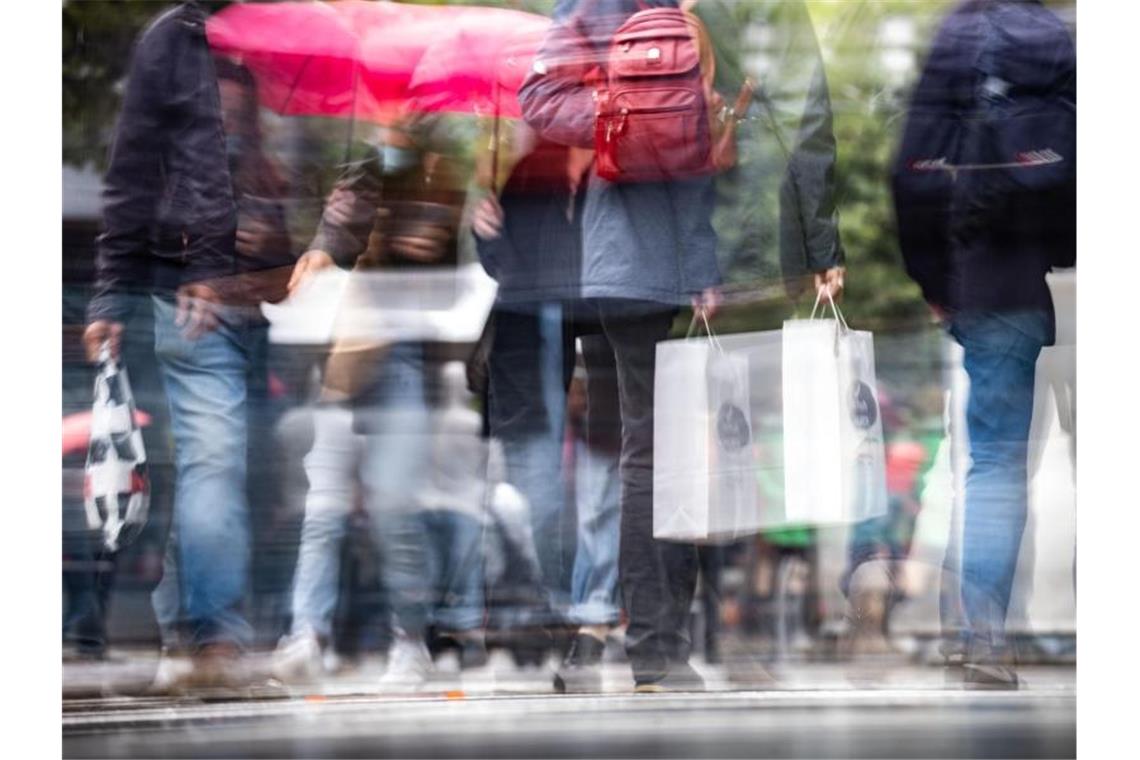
point(1000, 357)
point(597, 493)
point(454, 569)
point(205, 382)
point(388, 458)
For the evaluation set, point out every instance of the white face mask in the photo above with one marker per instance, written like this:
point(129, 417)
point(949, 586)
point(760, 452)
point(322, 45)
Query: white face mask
point(394, 159)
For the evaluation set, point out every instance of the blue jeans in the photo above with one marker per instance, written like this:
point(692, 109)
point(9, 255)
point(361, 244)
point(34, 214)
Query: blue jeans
point(597, 491)
point(529, 372)
point(594, 583)
point(390, 459)
point(1000, 357)
point(206, 388)
point(454, 569)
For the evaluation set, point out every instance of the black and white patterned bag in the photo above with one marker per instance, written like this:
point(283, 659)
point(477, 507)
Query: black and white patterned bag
point(116, 489)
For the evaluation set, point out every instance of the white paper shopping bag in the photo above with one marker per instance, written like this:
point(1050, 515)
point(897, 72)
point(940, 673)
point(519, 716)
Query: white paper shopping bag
point(704, 483)
point(834, 462)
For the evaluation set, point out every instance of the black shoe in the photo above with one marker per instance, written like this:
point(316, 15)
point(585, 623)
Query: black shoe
point(681, 677)
point(581, 669)
point(989, 676)
point(472, 653)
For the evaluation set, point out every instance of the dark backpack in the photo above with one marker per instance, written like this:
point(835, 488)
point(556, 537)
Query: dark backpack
point(1017, 125)
point(992, 126)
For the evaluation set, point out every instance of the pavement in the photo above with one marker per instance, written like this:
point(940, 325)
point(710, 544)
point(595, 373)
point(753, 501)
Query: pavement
point(869, 707)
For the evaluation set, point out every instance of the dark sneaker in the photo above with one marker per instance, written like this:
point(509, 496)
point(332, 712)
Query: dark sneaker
point(581, 669)
point(472, 652)
point(989, 676)
point(681, 677)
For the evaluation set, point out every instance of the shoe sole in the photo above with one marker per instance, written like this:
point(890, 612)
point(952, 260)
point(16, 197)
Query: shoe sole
point(650, 688)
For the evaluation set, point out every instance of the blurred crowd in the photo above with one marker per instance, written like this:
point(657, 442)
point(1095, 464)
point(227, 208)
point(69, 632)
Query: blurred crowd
point(392, 339)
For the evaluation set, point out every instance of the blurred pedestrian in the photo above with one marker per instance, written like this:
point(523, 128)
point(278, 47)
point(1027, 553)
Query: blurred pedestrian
point(529, 240)
point(985, 194)
point(647, 249)
point(396, 207)
point(171, 221)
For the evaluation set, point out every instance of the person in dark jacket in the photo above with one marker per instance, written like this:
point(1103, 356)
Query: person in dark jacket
point(529, 240)
point(171, 236)
point(985, 194)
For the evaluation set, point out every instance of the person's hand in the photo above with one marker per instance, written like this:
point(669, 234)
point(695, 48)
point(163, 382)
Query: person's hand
point(832, 279)
point(487, 220)
point(254, 239)
point(340, 207)
point(99, 332)
point(708, 301)
point(938, 312)
point(309, 264)
point(196, 309)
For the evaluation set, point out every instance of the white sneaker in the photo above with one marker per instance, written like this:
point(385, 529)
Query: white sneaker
point(409, 665)
point(297, 658)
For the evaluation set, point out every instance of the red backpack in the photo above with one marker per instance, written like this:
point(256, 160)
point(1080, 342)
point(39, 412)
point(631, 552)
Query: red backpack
point(658, 116)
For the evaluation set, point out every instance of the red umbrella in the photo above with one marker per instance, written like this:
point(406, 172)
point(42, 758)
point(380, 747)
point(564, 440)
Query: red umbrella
point(479, 66)
point(307, 56)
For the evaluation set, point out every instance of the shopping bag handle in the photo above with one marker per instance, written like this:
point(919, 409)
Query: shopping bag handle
point(834, 309)
point(700, 312)
point(104, 353)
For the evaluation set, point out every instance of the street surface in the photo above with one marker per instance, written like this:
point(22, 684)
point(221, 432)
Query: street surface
point(883, 708)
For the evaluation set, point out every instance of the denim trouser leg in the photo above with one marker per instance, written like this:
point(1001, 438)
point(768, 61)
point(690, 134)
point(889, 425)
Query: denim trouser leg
point(528, 397)
point(331, 467)
point(595, 579)
point(1000, 358)
point(597, 490)
point(457, 569)
point(205, 381)
point(166, 597)
point(397, 429)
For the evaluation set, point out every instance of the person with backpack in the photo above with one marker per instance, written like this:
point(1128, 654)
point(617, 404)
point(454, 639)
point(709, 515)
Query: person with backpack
point(984, 188)
point(624, 78)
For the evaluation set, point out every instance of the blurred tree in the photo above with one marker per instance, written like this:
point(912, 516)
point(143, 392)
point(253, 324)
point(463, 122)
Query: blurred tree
point(873, 51)
point(98, 36)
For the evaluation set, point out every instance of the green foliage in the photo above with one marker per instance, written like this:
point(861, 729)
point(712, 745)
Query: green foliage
point(873, 52)
point(97, 39)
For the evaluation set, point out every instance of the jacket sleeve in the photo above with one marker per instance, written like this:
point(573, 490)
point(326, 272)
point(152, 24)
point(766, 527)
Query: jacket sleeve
point(795, 94)
point(555, 98)
point(349, 215)
point(922, 200)
point(171, 95)
point(132, 185)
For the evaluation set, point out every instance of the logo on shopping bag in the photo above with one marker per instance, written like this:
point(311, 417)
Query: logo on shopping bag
point(732, 428)
point(864, 408)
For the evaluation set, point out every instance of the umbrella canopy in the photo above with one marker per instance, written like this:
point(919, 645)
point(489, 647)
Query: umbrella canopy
point(307, 56)
point(479, 65)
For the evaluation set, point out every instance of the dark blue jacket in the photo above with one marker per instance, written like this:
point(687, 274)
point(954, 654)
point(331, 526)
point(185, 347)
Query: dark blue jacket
point(169, 213)
point(1000, 74)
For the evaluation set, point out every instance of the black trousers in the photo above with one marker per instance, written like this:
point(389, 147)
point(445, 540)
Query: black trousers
point(657, 578)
